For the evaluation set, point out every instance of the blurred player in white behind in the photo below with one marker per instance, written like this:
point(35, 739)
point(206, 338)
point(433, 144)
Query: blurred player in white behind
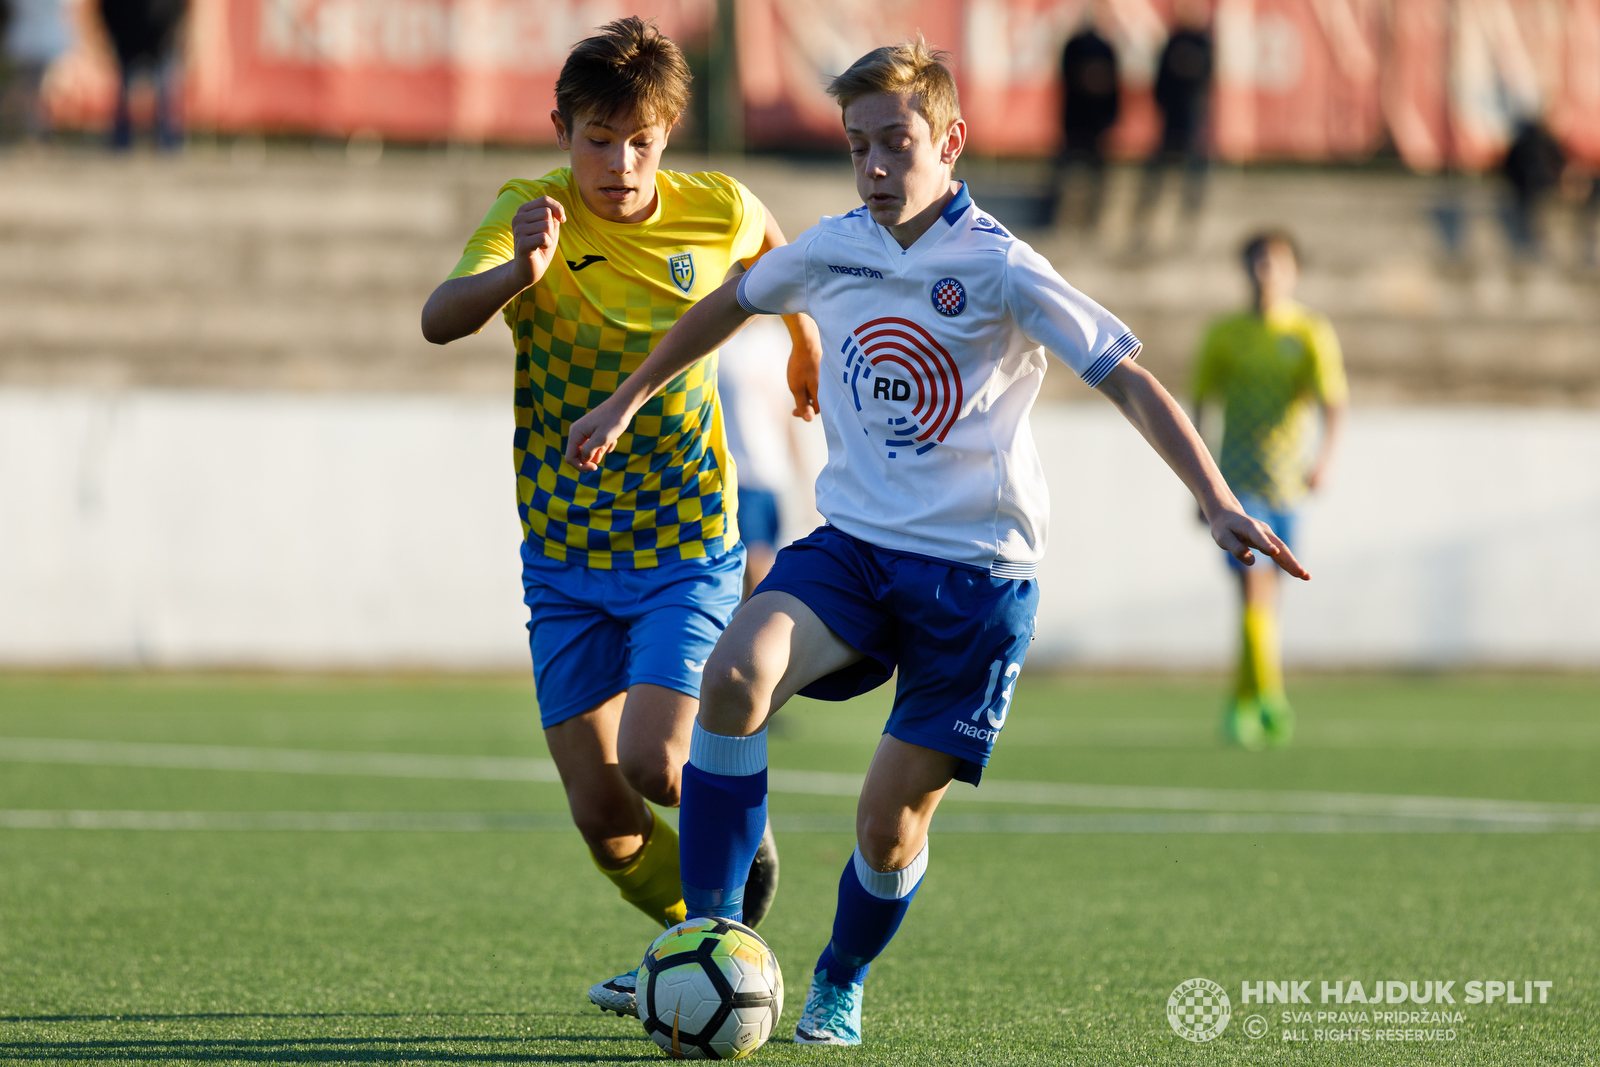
point(770, 460)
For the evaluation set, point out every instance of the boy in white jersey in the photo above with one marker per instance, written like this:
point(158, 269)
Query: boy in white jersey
point(934, 323)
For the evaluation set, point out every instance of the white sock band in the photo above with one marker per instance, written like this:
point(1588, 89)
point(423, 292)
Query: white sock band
point(891, 885)
point(734, 756)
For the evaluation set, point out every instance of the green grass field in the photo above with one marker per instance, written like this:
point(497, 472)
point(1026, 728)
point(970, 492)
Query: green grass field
point(418, 946)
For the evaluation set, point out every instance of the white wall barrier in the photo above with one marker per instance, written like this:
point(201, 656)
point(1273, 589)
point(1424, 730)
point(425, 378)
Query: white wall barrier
point(186, 528)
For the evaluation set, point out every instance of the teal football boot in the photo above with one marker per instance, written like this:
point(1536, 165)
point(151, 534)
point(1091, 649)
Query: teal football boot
point(619, 994)
point(832, 1015)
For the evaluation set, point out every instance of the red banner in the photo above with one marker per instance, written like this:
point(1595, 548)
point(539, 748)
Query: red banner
point(1445, 80)
point(469, 70)
point(1463, 73)
point(1297, 79)
point(789, 49)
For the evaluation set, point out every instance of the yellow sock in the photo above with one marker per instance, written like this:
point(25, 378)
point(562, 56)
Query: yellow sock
point(651, 882)
point(1260, 661)
point(1244, 673)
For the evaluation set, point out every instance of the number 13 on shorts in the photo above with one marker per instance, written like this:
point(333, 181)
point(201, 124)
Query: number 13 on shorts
point(998, 708)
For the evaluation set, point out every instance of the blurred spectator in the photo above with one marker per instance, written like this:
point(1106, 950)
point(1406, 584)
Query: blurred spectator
point(1183, 95)
point(36, 33)
point(1090, 98)
point(1532, 166)
point(752, 377)
point(144, 34)
point(1587, 193)
point(1449, 215)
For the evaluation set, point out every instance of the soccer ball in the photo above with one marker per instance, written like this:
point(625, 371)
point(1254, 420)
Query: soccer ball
point(710, 989)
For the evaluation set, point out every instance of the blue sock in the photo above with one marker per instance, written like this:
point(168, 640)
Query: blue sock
point(722, 817)
point(871, 906)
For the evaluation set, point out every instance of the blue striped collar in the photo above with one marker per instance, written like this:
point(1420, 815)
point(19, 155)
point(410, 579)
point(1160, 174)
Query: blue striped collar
point(933, 235)
point(959, 203)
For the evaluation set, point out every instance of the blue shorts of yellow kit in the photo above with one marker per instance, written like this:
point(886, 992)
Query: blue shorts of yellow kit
point(595, 632)
point(1280, 520)
point(957, 635)
point(758, 517)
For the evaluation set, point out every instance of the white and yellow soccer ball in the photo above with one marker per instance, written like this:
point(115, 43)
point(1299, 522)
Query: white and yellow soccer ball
point(710, 989)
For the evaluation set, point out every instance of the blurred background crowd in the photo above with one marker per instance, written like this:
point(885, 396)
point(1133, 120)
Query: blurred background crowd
point(1441, 85)
point(219, 218)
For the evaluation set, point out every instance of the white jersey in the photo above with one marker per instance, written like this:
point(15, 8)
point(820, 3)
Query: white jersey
point(932, 358)
point(752, 383)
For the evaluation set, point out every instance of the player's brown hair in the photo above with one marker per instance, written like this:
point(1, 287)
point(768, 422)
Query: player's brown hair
point(1257, 244)
point(629, 67)
point(911, 67)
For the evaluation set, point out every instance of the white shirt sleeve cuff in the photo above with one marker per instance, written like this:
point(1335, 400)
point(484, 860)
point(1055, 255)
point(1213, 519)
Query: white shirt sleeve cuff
point(744, 299)
point(1125, 347)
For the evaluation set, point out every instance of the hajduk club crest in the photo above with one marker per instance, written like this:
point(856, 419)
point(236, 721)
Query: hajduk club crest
point(949, 297)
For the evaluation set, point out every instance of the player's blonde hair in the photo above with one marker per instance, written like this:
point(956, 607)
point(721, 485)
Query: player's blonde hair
point(911, 67)
point(629, 67)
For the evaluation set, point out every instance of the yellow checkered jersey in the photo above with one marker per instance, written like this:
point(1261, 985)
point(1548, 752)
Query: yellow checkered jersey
point(1268, 372)
point(668, 490)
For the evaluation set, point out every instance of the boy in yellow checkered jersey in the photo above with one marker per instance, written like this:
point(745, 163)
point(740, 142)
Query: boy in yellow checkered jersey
point(1269, 366)
point(630, 572)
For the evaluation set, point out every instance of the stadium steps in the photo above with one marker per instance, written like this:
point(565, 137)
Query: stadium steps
point(301, 270)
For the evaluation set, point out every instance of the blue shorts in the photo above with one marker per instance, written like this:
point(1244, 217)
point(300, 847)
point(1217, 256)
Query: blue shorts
point(1281, 522)
point(758, 517)
point(957, 635)
point(594, 633)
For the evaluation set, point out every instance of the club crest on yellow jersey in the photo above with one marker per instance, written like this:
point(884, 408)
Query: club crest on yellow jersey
point(682, 271)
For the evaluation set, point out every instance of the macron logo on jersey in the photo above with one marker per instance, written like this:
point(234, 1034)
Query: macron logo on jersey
point(899, 363)
point(855, 272)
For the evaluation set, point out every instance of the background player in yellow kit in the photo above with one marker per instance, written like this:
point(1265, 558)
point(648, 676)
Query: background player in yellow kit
point(631, 571)
point(1269, 367)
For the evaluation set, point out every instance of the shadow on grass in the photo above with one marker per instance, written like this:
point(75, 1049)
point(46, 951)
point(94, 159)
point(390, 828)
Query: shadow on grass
point(315, 1049)
point(149, 1017)
point(375, 1048)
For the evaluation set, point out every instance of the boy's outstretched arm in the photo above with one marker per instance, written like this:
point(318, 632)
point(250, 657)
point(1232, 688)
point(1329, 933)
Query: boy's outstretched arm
point(1158, 417)
point(701, 329)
